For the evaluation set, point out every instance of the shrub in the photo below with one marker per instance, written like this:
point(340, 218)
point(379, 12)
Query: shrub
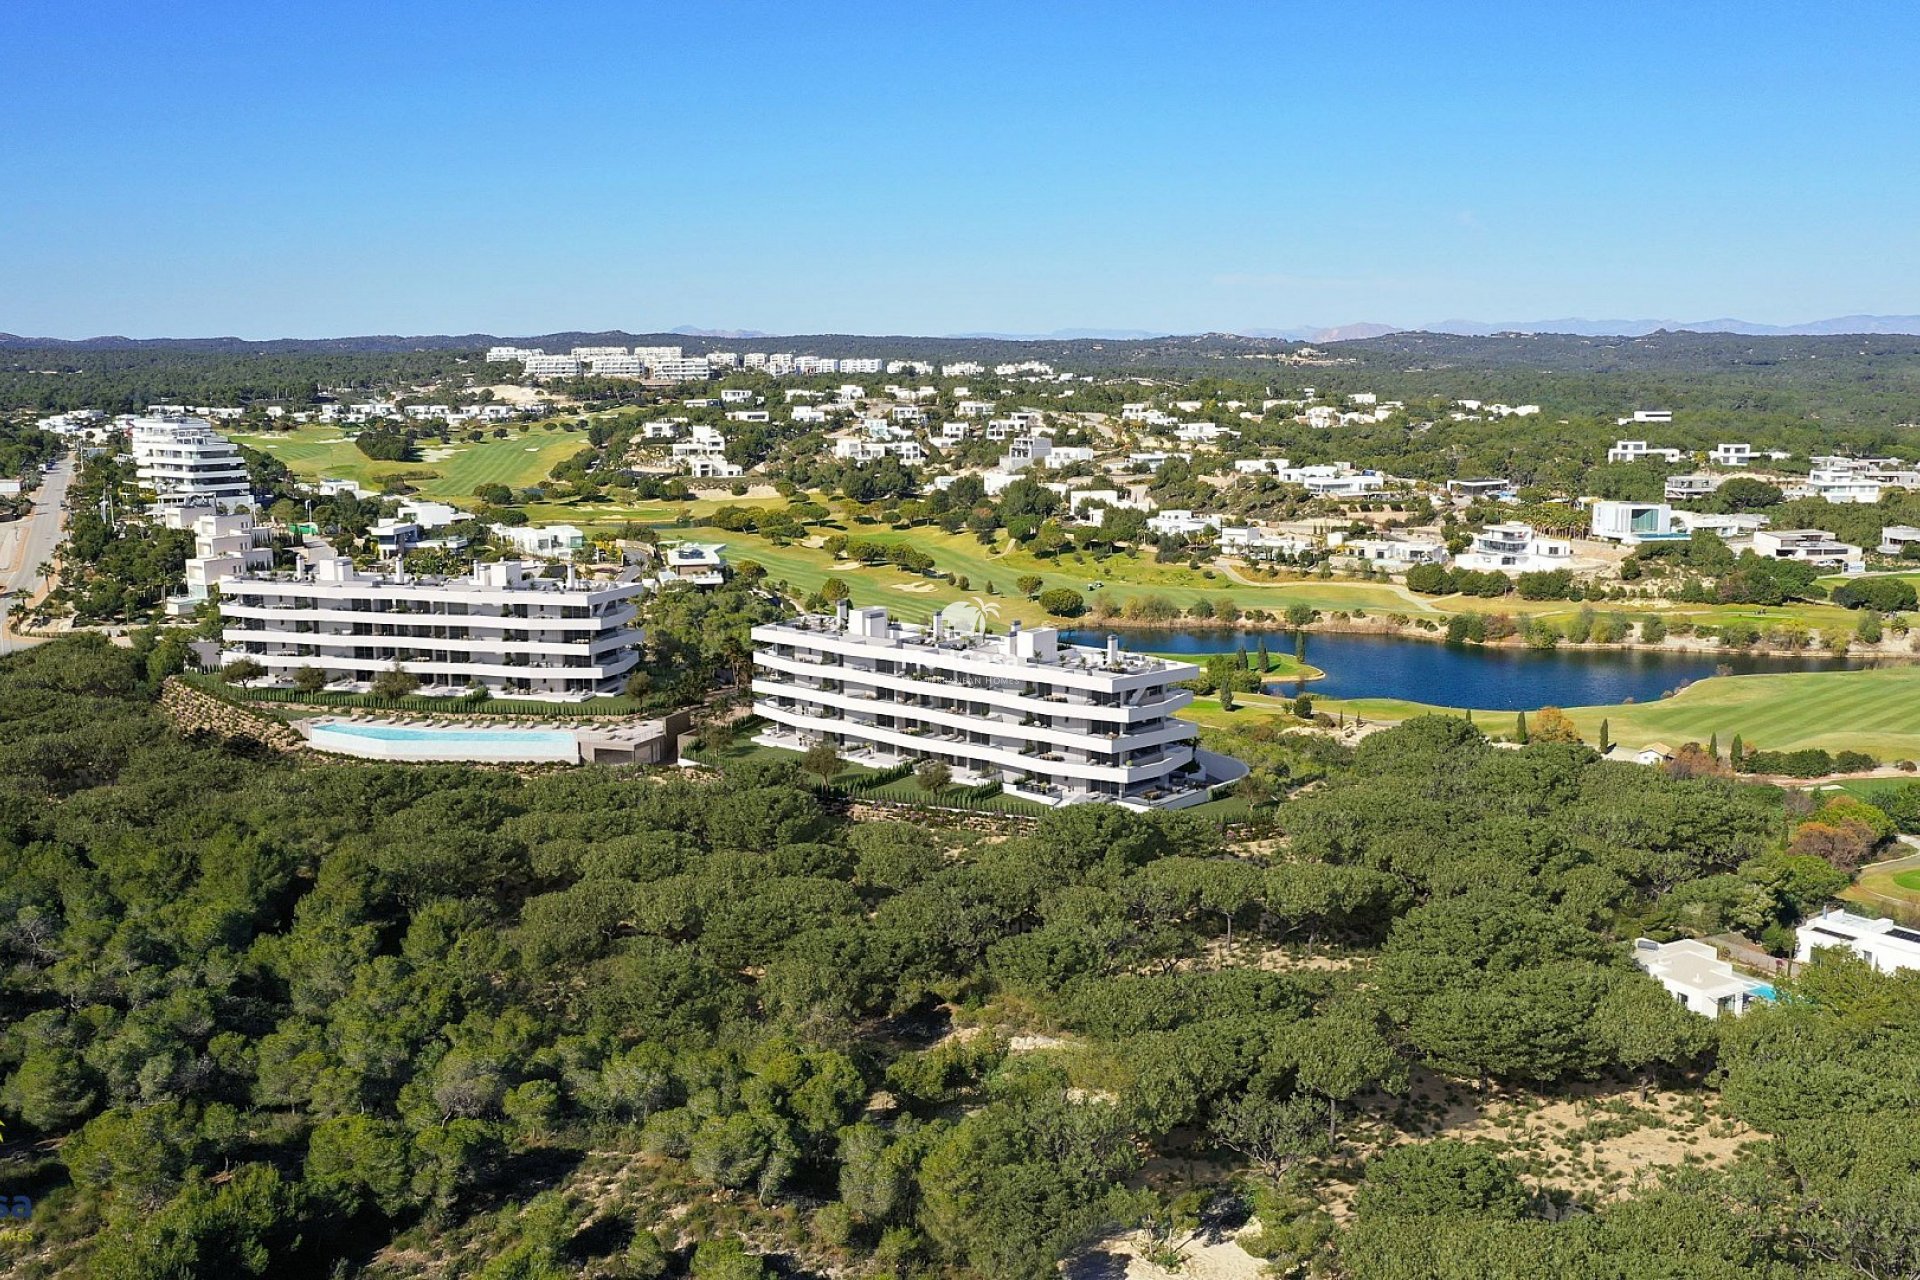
point(1063, 602)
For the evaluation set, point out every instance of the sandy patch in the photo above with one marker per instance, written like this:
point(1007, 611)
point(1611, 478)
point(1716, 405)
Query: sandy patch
point(1204, 1257)
point(919, 588)
point(1597, 1140)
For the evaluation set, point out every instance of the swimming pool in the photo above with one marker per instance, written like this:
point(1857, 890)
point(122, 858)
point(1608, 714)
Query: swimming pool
point(1764, 991)
point(378, 741)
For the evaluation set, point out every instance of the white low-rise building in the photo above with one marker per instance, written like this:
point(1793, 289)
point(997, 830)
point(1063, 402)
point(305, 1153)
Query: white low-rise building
point(1251, 542)
point(1896, 538)
point(1179, 523)
point(1054, 723)
point(698, 564)
point(1695, 975)
point(1396, 555)
point(1731, 455)
point(184, 461)
point(1887, 946)
point(1734, 524)
point(504, 627)
point(555, 541)
point(1515, 548)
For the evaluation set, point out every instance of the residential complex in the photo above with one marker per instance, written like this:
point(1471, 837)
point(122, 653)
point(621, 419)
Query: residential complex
point(184, 461)
point(1052, 722)
point(504, 627)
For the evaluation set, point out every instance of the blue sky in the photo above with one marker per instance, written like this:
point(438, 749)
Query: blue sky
point(178, 167)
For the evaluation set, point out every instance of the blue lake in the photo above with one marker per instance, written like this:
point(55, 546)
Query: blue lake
point(1462, 675)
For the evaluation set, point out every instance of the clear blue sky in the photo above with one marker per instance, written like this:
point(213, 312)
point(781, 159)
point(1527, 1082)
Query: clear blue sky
point(175, 167)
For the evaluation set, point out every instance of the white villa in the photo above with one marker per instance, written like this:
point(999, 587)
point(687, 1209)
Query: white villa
point(1809, 546)
point(1632, 523)
point(1515, 548)
point(185, 461)
point(502, 627)
point(1883, 944)
point(1054, 723)
point(1695, 975)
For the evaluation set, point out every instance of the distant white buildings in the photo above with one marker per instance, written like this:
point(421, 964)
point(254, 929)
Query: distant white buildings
point(1887, 946)
point(1808, 546)
point(504, 627)
point(185, 461)
point(1731, 455)
point(1055, 723)
point(1695, 975)
point(1515, 548)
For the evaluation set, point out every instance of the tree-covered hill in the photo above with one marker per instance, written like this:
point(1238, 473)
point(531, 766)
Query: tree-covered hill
point(266, 1016)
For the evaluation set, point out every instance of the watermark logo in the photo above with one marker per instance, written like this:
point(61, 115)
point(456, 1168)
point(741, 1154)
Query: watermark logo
point(969, 616)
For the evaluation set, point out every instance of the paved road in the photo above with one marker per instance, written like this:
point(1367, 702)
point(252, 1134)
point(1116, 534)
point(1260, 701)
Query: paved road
point(27, 544)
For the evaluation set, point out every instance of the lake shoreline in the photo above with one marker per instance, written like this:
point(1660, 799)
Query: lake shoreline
point(1890, 649)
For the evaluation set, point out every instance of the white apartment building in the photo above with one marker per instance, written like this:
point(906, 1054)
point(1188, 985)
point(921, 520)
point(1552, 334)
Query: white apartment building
point(962, 369)
point(858, 365)
point(597, 353)
point(620, 366)
point(974, 408)
point(512, 355)
point(684, 369)
point(1694, 974)
point(184, 460)
point(1515, 548)
point(1054, 723)
point(1809, 546)
point(545, 366)
point(1640, 451)
point(1025, 451)
point(651, 356)
point(1632, 523)
point(503, 627)
point(223, 545)
point(1883, 944)
point(698, 564)
point(736, 395)
point(1731, 455)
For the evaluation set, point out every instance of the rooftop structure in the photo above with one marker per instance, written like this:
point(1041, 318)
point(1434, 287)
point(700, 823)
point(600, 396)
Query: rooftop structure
point(502, 627)
point(1055, 723)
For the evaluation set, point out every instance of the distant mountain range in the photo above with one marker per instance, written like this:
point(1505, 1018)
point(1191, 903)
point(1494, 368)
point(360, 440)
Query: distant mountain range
point(1600, 328)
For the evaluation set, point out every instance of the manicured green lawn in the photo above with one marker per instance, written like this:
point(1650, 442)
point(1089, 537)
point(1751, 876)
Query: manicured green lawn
point(916, 598)
point(1909, 880)
point(446, 473)
point(1875, 710)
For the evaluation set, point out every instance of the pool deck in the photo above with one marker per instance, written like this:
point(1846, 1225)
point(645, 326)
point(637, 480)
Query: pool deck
point(440, 741)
